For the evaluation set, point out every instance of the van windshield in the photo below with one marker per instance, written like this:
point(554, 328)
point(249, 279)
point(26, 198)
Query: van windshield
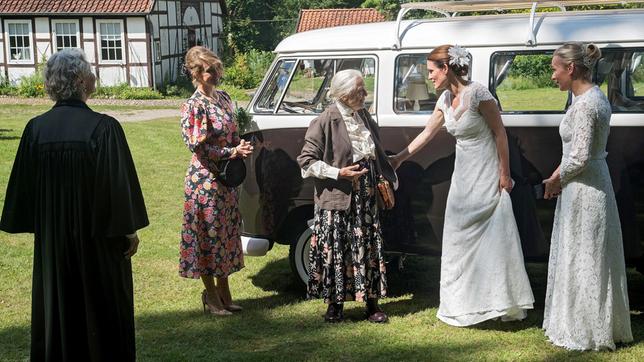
point(305, 91)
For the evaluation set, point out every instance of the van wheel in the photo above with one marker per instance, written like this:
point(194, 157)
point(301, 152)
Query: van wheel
point(299, 253)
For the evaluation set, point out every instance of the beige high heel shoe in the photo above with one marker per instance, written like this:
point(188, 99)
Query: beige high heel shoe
point(212, 308)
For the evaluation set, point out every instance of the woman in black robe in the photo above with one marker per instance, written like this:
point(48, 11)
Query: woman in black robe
point(73, 184)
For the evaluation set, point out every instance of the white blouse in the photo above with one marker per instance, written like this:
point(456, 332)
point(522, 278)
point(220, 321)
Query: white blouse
point(361, 144)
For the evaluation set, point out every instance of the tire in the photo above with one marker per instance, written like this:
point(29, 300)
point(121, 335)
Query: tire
point(298, 254)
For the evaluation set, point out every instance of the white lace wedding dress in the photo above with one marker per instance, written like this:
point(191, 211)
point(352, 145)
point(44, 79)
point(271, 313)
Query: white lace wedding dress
point(586, 301)
point(482, 270)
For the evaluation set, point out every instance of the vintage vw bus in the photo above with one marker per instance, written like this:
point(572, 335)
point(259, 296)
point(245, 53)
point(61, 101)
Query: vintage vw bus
point(507, 51)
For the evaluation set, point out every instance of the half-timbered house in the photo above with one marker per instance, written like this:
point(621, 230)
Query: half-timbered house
point(137, 42)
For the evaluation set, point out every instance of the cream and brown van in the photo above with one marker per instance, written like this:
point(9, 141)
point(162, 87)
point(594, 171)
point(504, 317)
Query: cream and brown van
point(508, 54)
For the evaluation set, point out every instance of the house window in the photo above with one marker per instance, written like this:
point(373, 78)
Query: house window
point(19, 34)
point(66, 35)
point(111, 41)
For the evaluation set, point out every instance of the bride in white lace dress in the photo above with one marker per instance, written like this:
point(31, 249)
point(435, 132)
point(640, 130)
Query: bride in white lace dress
point(482, 270)
point(586, 300)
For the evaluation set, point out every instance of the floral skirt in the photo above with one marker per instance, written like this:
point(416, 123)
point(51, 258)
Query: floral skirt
point(346, 248)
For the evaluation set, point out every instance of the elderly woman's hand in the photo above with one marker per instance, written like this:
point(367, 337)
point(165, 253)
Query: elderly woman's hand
point(350, 172)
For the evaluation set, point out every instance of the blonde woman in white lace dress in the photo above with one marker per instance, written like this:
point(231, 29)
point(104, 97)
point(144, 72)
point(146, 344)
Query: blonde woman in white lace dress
point(482, 271)
point(586, 300)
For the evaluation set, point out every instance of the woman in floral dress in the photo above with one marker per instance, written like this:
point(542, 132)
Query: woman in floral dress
point(210, 238)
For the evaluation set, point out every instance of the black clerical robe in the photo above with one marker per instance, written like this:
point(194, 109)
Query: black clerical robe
point(74, 185)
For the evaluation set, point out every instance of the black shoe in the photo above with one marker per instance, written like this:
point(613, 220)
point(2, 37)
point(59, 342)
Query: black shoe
point(334, 313)
point(374, 313)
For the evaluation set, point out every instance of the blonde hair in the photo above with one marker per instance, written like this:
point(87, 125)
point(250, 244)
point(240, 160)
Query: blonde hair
point(196, 57)
point(583, 56)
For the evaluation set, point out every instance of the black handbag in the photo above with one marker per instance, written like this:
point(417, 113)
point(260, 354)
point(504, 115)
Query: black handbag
point(231, 172)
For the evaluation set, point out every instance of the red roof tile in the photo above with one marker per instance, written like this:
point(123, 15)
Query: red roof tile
point(75, 6)
point(325, 18)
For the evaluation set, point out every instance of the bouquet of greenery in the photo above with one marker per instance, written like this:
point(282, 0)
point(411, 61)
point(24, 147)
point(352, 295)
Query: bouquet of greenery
point(242, 118)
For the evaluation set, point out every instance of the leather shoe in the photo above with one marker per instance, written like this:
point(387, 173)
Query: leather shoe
point(334, 313)
point(378, 317)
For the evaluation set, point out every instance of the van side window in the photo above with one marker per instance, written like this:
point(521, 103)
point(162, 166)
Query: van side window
point(620, 75)
point(521, 82)
point(414, 93)
point(274, 87)
point(307, 93)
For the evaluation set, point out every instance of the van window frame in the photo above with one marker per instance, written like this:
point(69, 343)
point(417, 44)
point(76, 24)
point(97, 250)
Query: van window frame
point(438, 93)
point(300, 58)
point(263, 84)
point(639, 49)
point(492, 87)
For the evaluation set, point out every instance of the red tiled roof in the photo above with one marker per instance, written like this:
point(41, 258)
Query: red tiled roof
point(75, 6)
point(325, 18)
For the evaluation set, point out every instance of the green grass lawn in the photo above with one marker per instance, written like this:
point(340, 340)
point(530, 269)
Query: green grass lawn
point(277, 323)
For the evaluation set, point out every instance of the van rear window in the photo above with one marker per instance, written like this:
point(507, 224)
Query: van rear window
point(620, 75)
point(521, 82)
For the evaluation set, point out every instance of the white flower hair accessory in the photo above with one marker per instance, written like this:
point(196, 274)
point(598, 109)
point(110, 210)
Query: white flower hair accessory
point(458, 55)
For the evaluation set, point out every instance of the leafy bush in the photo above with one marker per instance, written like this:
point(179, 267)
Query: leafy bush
point(6, 88)
point(522, 83)
point(124, 91)
point(531, 66)
point(248, 69)
point(235, 93)
point(32, 85)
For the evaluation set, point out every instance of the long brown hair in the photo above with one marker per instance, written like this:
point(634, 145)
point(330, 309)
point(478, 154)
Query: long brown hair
point(440, 57)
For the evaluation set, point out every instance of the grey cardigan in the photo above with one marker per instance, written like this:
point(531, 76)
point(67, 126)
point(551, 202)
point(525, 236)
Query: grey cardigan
point(327, 140)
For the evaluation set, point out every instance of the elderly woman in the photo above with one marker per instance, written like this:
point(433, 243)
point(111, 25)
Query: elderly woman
point(342, 152)
point(74, 186)
point(210, 238)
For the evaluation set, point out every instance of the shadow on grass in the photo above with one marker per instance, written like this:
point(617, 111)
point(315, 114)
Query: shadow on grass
point(5, 135)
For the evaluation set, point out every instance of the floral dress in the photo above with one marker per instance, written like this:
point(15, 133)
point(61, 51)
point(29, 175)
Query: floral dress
point(210, 236)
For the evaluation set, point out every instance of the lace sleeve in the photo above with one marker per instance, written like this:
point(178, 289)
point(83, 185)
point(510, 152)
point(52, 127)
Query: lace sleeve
point(479, 94)
point(582, 120)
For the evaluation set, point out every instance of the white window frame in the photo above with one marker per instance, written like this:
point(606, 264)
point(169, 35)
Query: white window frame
point(8, 42)
point(55, 36)
point(124, 47)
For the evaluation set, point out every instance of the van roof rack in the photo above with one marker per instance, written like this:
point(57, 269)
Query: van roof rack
point(454, 8)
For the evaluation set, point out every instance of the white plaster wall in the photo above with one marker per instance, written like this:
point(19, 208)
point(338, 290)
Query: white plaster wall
point(135, 28)
point(175, 41)
point(88, 28)
point(163, 21)
point(138, 52)
point(44, 49)
point(207, 9)
point(139, 76)
point(164, 42)
point(42, 28)
point(172, 9)
point(112, 75)
point(163, 5)
point(16, 73)
point(166, 69)
point(2, 51)
point(89, 48)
